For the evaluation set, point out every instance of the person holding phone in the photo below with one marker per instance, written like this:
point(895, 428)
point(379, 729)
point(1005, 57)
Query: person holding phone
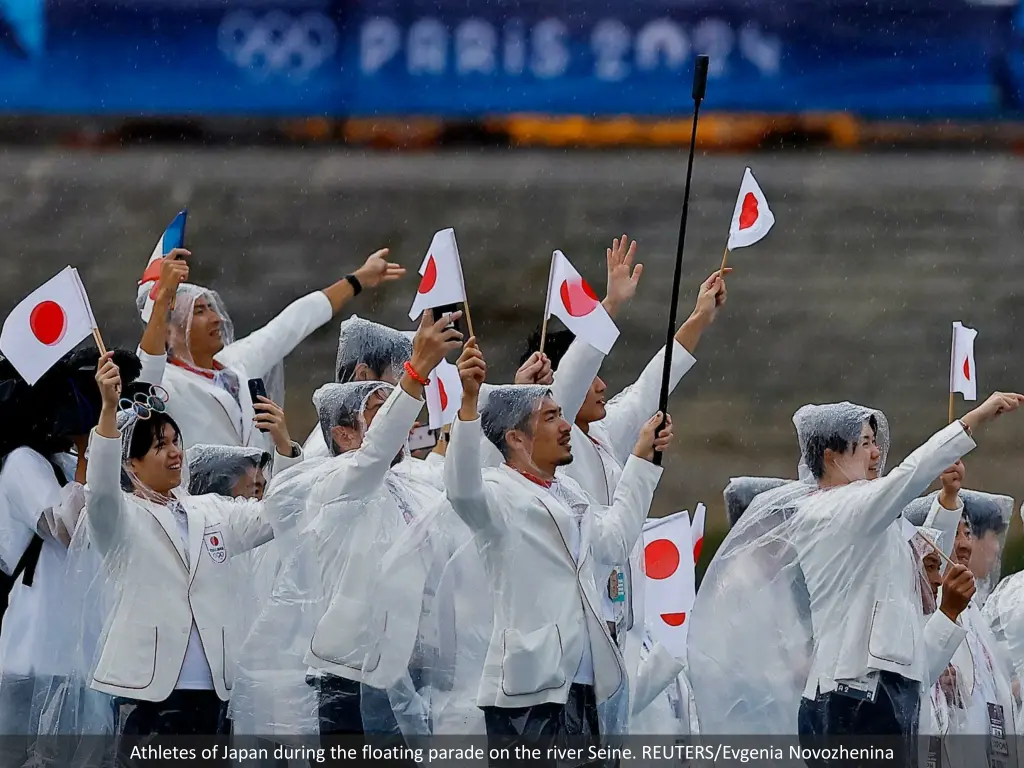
point(189, 348)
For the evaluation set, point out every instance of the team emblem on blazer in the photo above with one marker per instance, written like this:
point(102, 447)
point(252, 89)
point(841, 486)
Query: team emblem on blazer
point(215, 545)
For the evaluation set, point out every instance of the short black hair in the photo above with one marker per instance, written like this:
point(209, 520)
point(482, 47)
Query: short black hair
point(556, 343)
point(983, 514)
point(814, 453)
point(144, 436)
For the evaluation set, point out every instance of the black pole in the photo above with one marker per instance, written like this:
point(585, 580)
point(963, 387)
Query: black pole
point(700, 82)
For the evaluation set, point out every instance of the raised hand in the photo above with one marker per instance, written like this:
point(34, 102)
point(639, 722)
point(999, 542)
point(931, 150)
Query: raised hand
point(377, 269)
point(711, 297)
point(536, 370)
point(270, 418)
point(173, 272)
point(652, 439)
point(623, 276)
point(997, 404)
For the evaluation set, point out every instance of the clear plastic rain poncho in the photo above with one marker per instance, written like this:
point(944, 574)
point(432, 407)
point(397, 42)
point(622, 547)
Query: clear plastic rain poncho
point(218, 468)
point(1004, 612)
point(319, 617)
point(381, 349)
point(750, 645)
point(741, 491)
point(69, 707)
point(989, 515)
point(180, 335)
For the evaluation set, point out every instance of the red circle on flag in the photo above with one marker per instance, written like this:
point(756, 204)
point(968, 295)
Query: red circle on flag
point(578, 297)
point(429, 276)
point(214, 541)
point(674, 619)
point(967, 368)
point(48, 322)
point(661, 558)
point(444, 395)
point(749, 213)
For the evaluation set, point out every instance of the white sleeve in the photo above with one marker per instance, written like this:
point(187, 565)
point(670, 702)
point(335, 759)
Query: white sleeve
point(870, 508)
point(946, 521)
point(261, 350)
point(359, 472)
point(153, 367)
point(104, 505)
point(618, 526)
point(628, 411)
point(941, 639)
point(464, 482)
point(575, 374)
point(28, 487)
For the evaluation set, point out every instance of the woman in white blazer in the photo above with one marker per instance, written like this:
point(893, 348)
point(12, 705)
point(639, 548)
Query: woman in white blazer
point(166, 654)
point(189, 348)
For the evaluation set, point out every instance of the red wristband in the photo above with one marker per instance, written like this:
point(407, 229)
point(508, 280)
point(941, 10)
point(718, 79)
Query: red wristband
point(415, 376)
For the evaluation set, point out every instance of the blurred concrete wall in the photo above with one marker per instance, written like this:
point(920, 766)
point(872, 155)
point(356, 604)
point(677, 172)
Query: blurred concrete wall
point(850, 297)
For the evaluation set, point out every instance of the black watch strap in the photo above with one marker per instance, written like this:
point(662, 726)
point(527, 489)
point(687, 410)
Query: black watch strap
point(357, 287)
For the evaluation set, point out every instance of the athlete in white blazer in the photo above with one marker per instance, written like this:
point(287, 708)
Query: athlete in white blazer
point(209, 410)
point(365, 501)
point(871, 643)
point(538, 538)
point(171, 638)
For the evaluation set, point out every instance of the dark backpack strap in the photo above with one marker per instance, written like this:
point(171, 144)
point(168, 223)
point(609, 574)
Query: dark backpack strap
point(26, 567)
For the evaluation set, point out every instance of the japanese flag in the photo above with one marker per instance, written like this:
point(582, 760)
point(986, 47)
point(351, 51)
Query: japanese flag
point(963, 377)
point(47, 324)
point(670, 587)
point(752, 218)
point(441, 280)
point(444, 395)
point(173, 237)
point(574, 302)
point(697, 532)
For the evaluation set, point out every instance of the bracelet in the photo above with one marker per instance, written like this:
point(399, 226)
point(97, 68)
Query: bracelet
point(963, 425)
point(415, 376)
point(357, 287)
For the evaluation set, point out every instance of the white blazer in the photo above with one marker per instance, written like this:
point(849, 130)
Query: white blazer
point(206, 413)
point(147, 636)
point(861, 575)
point(546, 604)
point(349, 549)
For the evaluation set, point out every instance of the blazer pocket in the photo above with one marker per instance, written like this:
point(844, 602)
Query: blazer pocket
point(129, 657)
point(532, 662)
point(890, 637)
point(341, 636)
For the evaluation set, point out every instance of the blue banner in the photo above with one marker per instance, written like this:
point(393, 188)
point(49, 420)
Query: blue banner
point(465, 58)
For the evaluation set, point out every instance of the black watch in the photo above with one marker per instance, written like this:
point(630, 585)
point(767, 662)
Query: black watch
point(357, 287)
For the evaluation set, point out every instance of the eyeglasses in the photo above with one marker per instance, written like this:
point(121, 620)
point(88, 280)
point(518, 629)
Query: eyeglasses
point(143, 405)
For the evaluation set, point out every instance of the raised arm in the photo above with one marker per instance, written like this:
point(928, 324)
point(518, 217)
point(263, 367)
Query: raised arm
point(463, 474)
point(362, 470)
point(618, 526)
point(581, 362)
point(627, 411)
point(105, 505)
point(261, 350)
point(947, 509)
point(875, 505)
point(153, 347)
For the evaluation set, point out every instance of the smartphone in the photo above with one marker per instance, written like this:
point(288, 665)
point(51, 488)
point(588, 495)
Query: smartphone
point(422, 438)
point(447, 309)
point(257, 389)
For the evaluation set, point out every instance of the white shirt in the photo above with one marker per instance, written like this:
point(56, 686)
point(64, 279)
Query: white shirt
point(195, 672)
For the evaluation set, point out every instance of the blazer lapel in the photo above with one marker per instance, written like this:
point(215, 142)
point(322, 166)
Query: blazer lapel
point(196, 532)
point(232, 410)
point(165, 517)
point(560, 516)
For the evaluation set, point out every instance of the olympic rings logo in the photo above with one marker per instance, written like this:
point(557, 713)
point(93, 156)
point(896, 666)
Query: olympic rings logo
point(278, 43)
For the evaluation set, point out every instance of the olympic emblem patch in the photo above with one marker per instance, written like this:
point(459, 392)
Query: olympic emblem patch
point(215, 545)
